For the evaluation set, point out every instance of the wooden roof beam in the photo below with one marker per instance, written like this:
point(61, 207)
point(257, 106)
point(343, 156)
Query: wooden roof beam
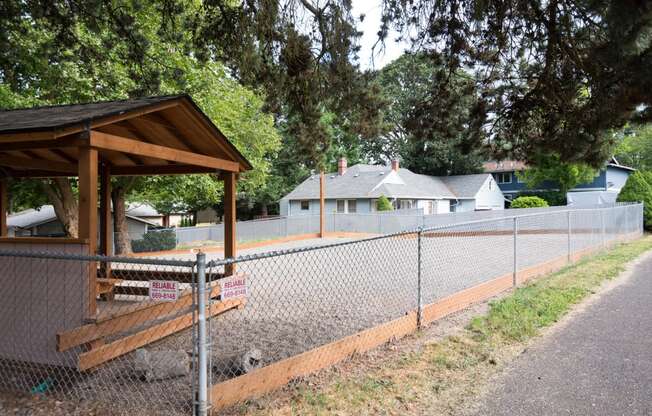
point(108, 141)
point(159, 170)
point(39, 164)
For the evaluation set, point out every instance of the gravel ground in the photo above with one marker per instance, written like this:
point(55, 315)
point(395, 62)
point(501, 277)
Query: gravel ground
point(302, 300)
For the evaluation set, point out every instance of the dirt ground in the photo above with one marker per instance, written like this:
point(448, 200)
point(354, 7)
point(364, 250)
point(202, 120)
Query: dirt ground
point(18, 404)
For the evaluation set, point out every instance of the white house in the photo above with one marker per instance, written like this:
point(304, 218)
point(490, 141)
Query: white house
point(358, 188)
point(43, 222)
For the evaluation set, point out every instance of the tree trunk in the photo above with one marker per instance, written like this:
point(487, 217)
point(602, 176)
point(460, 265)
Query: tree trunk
point(66, 207)
point(263, 210)
point(121, 238)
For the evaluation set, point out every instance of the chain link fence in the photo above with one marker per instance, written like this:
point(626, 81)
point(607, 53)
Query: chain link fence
point(159, 336)
point(376, 223)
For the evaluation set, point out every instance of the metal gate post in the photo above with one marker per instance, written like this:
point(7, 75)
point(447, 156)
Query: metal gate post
point(604, 241)
point(515, 233)
point(419, 295)
point(202, 345)
point(569, 237)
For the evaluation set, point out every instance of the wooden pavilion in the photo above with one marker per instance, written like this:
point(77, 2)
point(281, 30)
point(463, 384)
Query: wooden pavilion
point(147, 136)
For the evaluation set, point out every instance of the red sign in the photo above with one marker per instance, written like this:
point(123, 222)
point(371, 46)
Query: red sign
point(164, 290)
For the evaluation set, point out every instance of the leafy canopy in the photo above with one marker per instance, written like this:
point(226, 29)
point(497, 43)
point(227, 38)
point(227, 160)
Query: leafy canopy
point(431, 116)
point(556, 76)
point(552, 170)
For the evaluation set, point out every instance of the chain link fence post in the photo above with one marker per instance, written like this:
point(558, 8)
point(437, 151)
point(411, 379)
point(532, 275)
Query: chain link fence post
point(419, 293)
point(515, 269)
point(569, 237)
point(202, 339)
point(604, 240)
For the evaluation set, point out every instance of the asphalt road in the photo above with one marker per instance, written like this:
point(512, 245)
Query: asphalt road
point(599, 363)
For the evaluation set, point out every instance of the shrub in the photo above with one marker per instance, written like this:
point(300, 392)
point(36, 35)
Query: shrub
point(638, 189)
point(529, 202)
point(155, 241)
point(553, 198)
point(383, 204)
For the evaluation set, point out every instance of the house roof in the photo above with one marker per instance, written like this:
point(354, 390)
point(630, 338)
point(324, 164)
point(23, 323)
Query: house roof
point(493, 166)
point(372, 181)
point(142, 210)
point(465, 186)
point(67, 115)
point(45, 214)
point(173, 121)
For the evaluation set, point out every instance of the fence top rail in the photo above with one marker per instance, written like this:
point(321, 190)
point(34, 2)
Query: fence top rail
point(84, 257)
point(278, 253)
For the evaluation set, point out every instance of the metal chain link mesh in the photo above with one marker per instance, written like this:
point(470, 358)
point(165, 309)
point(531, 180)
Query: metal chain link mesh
point(136, 355)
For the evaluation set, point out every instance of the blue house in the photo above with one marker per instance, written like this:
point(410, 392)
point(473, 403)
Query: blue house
point(603, 189)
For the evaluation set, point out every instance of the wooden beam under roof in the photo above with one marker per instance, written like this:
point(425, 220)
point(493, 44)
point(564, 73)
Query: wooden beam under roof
point(38, 164)
point(108, 141)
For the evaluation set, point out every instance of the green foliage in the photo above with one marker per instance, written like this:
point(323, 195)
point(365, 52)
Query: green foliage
point(635, 148)
point(553, 198)
point(155, 241)
point(431, 117)
point(529, 202)
point(551, 169)
point(96, 63)
point(383, 204)
point(556, 77)
point(638, 188)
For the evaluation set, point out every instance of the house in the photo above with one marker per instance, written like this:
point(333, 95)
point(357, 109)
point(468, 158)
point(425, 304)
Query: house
point(43, 222)
point(149, 213)
point(357, 189)
point(603, 189)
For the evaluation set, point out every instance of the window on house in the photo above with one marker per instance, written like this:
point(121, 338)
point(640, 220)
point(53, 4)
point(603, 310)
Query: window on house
point(352, 206)
point(305, 205)
point(431, 207)
point(405, 204)
point(453, 206)
point(341, 206)
point(504, 177)
point(519, 180)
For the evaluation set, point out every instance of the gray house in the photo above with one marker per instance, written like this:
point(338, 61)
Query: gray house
point(43, 222)
point(357, 189)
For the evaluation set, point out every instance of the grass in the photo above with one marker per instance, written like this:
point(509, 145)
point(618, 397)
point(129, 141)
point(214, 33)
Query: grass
point(443, 377)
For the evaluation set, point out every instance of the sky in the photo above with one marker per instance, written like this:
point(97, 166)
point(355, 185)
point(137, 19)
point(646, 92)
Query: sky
point(372, 10)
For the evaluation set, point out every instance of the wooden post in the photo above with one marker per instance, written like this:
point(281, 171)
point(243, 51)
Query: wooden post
point(4, 207)
point(322, 204)
point(106, 246)
point(106, 229)
point(230, 183)
point(87, 172)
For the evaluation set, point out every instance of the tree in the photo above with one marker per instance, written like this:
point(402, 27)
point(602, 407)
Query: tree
point(433, 118)
point(556, 76)
point(100, 63)
point(551, 169)
point(638, 189)
point(303, 55)
point(383, 204)
point(635, 147)
point(529, 202)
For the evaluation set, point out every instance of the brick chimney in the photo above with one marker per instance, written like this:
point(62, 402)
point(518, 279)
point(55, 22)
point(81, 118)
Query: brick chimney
point(395, 165)
point(341, 166)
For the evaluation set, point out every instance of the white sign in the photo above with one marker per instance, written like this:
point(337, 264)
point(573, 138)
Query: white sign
point(164, 290)
point(233, 287)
